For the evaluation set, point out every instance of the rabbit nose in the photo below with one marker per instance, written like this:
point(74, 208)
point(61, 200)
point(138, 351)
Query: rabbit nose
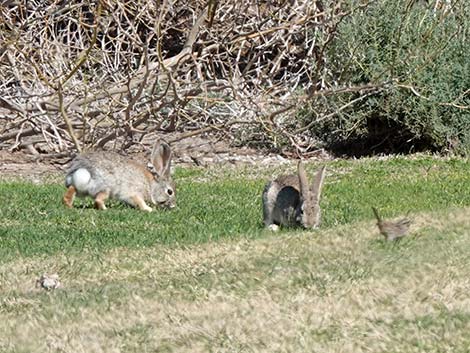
point(166, 203)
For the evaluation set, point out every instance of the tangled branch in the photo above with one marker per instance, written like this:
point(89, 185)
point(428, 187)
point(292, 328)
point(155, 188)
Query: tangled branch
point(108, 73)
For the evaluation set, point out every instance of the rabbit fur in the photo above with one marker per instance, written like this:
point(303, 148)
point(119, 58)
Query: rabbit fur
point(290, 200)
point(108, 174)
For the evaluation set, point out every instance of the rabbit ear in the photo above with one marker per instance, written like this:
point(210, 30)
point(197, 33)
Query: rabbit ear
point(303, 180)
point(161, 158)
point(318, 183)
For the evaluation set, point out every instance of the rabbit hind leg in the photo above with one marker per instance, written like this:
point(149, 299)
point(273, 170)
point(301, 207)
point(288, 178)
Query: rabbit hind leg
point(269, 202)
point(69, 196)
point(100, 198)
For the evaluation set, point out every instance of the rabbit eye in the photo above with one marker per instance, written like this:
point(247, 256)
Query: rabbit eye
point(169, 192)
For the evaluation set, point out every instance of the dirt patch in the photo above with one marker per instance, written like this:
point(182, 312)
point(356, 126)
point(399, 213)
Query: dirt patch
point(31, 167)
point(196, 151)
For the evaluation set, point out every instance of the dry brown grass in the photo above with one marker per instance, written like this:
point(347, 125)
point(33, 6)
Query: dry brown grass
point(339, 290)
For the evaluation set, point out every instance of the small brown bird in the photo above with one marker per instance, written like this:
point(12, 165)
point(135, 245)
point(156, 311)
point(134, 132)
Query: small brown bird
point(392, 230)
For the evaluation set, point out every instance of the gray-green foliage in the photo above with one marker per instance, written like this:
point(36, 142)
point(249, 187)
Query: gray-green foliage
point(406, 45)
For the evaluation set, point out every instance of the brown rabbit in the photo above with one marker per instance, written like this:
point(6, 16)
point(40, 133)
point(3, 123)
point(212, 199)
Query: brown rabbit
point(290, 200)
point(108, 174)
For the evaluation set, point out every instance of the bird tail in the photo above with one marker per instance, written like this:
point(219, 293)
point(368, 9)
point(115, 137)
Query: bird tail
point(376, 213)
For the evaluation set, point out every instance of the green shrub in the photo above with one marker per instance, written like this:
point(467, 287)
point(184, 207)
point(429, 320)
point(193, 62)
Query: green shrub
point(403, 46)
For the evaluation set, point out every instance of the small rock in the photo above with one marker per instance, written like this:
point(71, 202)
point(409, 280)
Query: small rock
point(48, 282)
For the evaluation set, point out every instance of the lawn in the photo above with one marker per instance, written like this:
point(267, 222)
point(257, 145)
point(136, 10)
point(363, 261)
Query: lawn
point(206, 277)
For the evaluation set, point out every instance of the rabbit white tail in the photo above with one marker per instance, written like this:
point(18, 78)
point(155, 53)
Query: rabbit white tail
point(80, 179)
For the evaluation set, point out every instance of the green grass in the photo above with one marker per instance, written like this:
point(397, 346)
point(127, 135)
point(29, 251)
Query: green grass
point(220, 205)
point(35, 222)
point(341, 291)
point(206, 277)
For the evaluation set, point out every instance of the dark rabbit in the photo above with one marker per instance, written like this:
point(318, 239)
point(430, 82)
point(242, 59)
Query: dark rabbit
point(291, 201)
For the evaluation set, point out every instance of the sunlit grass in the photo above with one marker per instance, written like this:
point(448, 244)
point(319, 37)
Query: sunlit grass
point(206, 276)
point(222, 204)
